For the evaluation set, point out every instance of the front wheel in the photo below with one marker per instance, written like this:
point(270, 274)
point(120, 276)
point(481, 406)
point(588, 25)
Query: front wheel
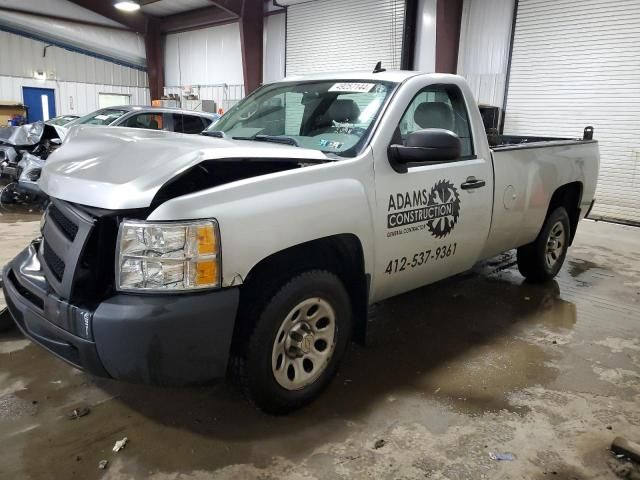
point(542, 259)
point(297, 344)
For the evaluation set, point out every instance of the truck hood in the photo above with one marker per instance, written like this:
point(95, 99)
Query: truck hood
point(123, 168)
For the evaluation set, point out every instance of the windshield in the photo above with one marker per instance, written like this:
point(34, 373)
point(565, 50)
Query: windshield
point(106, 116)
point(62, 120)
point(332, 116)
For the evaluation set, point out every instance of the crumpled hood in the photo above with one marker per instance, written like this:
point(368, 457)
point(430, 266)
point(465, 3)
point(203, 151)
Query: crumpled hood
point(121, 168)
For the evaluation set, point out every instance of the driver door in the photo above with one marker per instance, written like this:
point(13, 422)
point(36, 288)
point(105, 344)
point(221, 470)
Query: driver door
point(433, 218)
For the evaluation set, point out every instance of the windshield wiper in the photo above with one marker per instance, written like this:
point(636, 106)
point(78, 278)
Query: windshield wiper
point(271, 138)
point(277, 139)
point(213, 133)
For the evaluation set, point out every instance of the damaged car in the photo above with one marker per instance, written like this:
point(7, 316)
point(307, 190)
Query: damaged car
point(23, 151)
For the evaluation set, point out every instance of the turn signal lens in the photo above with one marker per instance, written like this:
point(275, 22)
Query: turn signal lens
point(207, 240)
point(206, 272)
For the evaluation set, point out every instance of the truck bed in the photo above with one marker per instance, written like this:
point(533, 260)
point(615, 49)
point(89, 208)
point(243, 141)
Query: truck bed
point(527, 172)
point(512, 142)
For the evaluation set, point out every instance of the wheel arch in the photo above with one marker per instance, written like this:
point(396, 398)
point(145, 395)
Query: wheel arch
point(340, 254)
point(568, 196)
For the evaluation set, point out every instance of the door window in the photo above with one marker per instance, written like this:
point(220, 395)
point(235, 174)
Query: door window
point(148, 121)
point(438, 106)
point(192, 124)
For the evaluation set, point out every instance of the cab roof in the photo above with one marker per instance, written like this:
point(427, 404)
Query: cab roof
point(396, 76)
point(387, 76)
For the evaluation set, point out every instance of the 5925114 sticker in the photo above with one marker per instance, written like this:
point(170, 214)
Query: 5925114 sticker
point(352, 87)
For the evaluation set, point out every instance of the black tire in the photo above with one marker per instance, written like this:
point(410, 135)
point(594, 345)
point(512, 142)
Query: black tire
point(6, 321)
point(252, 365)
point(532, 258)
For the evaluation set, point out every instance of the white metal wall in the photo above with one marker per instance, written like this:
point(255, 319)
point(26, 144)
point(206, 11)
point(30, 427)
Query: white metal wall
point(485, 36)
point(76, 78)
point(577, 63)
point(204, 57)
point(21, 57)
point(72, 98)
point(334, 35)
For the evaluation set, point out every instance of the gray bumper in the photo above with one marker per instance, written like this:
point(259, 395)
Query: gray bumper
point(158, 339)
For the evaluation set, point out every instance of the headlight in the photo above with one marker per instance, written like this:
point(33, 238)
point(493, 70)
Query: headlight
point(169, 256)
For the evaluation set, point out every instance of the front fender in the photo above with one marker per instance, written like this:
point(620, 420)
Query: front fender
point(262, 216)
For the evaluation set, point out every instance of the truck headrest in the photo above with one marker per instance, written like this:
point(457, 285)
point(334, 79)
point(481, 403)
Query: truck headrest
point(343, 110)
point(434, 115)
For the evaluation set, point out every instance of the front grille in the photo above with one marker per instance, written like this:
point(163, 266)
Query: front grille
point(55, 263)
point(34, 299)
point(69, 228)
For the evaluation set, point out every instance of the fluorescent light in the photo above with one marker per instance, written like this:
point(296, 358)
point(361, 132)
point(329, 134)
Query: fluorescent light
point(127, 6)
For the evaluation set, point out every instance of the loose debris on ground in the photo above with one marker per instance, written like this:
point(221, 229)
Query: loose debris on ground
point(78, 412)
point(120, 444)
point(502, 457)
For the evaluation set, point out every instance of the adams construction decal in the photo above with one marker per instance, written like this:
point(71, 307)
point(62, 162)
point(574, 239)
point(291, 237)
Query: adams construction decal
point(437, 210)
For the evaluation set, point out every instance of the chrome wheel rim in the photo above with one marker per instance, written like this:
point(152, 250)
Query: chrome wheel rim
point(555, 244)
point(304, 344)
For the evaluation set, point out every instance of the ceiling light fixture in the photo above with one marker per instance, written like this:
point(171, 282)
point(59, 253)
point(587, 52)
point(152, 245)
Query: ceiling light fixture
point(127, 6)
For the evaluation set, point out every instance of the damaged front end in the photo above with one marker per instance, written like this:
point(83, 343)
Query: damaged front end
point(214, 173)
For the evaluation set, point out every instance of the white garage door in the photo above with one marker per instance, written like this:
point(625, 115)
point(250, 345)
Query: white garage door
point(339, 35)
point(577, 63)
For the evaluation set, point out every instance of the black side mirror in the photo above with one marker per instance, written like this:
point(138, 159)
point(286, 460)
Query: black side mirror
point(424, 146)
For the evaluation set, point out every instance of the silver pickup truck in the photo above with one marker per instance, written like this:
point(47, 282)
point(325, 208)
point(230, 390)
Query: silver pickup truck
point(255, 249)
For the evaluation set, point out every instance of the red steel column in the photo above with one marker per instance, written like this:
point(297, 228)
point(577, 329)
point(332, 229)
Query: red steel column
point(448, 17)
point(251, 27)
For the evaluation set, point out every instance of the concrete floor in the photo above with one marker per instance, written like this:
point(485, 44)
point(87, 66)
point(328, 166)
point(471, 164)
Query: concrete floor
point(476, 364)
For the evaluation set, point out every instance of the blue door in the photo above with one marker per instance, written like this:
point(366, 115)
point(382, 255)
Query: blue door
point(40, 103)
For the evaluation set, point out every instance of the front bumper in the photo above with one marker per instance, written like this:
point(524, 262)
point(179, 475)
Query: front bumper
point(158, 339)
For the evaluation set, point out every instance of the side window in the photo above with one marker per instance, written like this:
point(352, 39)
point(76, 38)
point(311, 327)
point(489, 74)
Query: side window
point(149, 121)
point(438, 106)
point(192, 124)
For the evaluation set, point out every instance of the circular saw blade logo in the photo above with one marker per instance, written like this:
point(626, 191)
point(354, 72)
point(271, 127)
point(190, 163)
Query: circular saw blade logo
point(445, 198)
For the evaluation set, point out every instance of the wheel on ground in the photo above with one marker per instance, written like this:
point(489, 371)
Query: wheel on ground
point(297, 344)
point(542, 259)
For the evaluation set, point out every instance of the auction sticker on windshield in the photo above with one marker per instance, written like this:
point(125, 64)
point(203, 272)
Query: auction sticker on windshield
point(352, 87)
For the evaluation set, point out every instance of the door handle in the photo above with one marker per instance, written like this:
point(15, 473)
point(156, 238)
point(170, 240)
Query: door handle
point(473, 182)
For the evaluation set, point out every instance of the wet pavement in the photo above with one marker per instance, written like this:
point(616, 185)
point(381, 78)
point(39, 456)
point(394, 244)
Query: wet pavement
point(478, 364)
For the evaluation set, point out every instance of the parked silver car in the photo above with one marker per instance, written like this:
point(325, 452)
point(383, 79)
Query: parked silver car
point(150, 118)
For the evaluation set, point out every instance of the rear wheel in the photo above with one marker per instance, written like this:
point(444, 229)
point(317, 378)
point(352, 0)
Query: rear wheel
point(298, 341)
point(542, 259)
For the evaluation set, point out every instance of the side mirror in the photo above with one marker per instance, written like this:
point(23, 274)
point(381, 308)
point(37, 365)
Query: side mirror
point(423, 146)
